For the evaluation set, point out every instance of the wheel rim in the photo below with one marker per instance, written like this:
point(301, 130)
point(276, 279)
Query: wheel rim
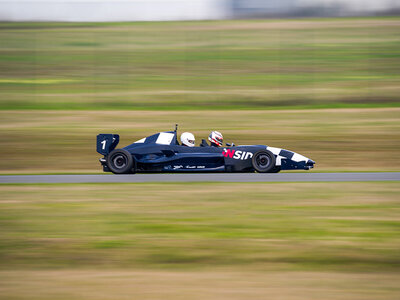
point(119, 161)
point(263, 161)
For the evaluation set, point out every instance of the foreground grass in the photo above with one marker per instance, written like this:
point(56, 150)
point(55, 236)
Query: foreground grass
point(200, 241)
point(338, 140)
point(347, 227)
point(185, 65)
point(215, 285)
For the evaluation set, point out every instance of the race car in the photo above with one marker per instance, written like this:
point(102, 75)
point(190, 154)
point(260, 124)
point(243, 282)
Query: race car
point(161, 152)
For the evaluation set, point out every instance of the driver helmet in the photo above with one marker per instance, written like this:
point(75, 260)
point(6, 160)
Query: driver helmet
point(216, 138)
point(187, 139)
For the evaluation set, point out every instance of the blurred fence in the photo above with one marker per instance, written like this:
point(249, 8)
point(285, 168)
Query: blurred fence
point(169, 10)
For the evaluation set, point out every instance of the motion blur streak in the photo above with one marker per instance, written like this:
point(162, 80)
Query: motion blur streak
point(301, 240)
point(259, 64)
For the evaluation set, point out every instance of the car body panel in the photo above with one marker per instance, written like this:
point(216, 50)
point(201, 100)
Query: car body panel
point(161, 152)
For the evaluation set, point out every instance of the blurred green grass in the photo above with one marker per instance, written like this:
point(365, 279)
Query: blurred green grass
point(346, 227)
point(337, 139)
point(254, 64)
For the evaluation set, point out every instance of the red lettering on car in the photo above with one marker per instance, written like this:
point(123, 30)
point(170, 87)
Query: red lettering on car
point(228, 153)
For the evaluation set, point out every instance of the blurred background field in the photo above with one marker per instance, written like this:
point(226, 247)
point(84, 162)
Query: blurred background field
point(256, 64)
point(184, 241)
point(337, 139)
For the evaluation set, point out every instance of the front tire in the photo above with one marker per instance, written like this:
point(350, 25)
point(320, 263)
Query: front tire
point(120, 161)
point(263, 161)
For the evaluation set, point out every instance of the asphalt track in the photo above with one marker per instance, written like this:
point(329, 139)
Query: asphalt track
point(209, 177)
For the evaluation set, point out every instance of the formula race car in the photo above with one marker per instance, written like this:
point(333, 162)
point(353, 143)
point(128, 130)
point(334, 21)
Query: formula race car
point(162, 152)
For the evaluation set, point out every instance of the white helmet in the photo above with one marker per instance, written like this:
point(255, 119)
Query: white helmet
point(187, 139)
point(216, 138)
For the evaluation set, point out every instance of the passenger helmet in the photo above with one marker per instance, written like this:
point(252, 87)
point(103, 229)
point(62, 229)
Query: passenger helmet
point(187, 139)
point(216, 138)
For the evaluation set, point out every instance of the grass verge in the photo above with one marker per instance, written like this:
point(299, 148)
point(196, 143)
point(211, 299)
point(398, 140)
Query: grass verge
point(204, 240)
point(279, 226)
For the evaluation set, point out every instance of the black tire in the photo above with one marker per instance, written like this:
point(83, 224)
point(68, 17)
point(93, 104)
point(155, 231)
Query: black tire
point(263, 161)
point(120, 161)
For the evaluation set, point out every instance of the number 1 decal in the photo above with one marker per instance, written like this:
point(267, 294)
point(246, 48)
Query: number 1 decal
point(104, 144)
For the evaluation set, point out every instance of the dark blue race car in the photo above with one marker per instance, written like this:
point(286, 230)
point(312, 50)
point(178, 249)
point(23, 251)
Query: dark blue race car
point(162, 152)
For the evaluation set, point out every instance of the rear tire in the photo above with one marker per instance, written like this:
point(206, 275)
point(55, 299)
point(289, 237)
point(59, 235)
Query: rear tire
point(263, 161)
point(120, 161)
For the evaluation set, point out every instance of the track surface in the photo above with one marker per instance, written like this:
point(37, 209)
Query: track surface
point(210, 177)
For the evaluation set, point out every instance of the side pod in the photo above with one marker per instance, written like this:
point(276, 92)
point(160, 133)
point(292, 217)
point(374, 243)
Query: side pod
point(106, 143)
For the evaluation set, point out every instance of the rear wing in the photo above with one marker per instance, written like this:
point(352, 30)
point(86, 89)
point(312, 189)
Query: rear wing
point(106, 143)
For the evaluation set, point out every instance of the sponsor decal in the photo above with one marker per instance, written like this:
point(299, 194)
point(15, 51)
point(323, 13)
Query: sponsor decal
point(195, 167)
point(237, 154)
point(186, 167)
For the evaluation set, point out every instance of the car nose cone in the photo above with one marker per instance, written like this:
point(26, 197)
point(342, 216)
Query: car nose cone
point(310, 162)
